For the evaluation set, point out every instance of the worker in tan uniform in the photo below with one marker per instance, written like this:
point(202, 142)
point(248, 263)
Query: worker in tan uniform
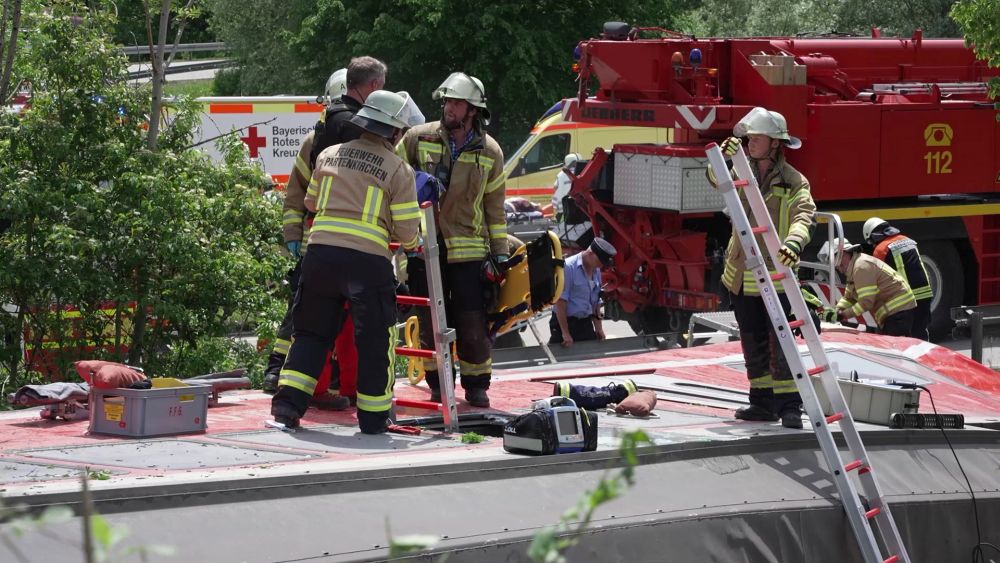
point(346, 90)
point(872, 287)
point(773, 394)
point(472, 224)
point(364, 196)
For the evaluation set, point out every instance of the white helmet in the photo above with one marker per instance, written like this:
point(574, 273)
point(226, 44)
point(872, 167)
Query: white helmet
point(570, 160)
point(870, 226)
point(763, 122)
point(336, 85)
point(461, 86)
point(834, 246)
point(383, 113)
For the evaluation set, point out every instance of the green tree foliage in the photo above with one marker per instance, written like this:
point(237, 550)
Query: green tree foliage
point(742, 18)
point(522, 51)
point(155, 250)
point(980, 21)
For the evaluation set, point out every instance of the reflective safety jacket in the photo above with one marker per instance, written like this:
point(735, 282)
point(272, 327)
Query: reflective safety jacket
point(294, 226)
point(790, 204)
point(900, 252)
point(471, 216)
point(363, 196)
point(873, 286)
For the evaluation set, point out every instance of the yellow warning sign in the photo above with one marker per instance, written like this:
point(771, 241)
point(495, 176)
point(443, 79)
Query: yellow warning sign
point(113, 412)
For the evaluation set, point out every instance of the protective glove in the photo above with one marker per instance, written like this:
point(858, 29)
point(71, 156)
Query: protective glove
point(829, 316)
point(293, 248)
point(501, 258)
point(418, 251)
point(731, 146)
point(788, 254)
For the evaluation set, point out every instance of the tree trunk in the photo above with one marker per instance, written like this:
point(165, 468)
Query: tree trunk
point(181, 24)
point(10, 48)
point(156, 53)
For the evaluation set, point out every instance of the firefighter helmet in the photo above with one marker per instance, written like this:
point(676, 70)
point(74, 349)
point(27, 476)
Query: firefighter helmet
point(872, 225)
point(383, 113)
point(461, 86)
point(763, 122)
point(336, 85)
point(833, 246)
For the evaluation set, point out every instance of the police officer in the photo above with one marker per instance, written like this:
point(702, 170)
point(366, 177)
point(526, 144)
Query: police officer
point(577, 313)
point(471, 221)
point(872, 287)
point(346, 90)
point(900, 253)
point(363, 196)
point(773, 393)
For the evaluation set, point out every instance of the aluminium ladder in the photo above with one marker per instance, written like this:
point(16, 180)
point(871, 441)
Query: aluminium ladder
point(443, 336)
point(859, 516)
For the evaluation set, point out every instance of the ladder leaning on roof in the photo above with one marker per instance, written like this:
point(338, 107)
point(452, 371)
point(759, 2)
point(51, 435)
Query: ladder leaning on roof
point(859, 516)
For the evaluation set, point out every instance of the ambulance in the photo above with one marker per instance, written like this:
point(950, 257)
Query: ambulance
point(532, 168)
point(272, 128)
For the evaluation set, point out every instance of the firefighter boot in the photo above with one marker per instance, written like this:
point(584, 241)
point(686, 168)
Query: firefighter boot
point(789, 408)
point(477, 397)
point(373, 422)
point(760, 407)
point(271, 374)
point(284, 413)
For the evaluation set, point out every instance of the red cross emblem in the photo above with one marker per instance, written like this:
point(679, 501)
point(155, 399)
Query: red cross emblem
point(254, 142)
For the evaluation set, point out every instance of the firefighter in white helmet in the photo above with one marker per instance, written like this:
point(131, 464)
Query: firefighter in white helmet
point(900, 252)
point(347, 89)
point(773, 394)
point(563, 183)
point(872, 287)
point(472, 224)
point(364, 197)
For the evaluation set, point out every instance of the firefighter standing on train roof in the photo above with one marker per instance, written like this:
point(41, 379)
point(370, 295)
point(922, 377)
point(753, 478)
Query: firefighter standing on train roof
point(872, 287)
point(346, 90)
point(773, 393)
point(472, 224)
point(900, 253)
point(363, 195)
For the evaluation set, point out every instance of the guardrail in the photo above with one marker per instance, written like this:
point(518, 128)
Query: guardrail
point(975, 318)
point(186, 67)
point(137, 50)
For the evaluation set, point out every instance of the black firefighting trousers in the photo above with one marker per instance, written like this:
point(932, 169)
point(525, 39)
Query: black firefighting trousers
point(466, 313)
point(771, 383)
point(330, 276)
point(283, 339)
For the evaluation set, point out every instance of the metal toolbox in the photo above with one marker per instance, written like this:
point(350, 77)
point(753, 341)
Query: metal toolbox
point(871, 402)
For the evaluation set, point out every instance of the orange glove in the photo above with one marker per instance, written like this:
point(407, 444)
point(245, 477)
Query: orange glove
point(640, 403)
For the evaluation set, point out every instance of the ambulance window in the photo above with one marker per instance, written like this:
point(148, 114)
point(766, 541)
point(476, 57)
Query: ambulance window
point(547, 153)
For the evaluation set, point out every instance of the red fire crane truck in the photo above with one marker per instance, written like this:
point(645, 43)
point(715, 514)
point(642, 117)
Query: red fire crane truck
point(900, 128)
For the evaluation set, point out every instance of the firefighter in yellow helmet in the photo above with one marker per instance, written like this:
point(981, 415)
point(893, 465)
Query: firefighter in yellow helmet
point(773, 394)
point(364, 196)
point(472, 224)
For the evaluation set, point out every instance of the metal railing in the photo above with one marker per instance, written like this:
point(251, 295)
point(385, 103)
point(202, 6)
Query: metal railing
point(975, 318)
point(139, 50)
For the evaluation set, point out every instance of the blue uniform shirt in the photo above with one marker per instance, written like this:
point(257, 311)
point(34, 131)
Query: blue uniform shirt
point(581, 294)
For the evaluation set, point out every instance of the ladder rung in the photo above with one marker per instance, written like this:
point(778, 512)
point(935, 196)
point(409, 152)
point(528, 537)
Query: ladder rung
point(759, 230)
point(415, 352)
point(815, 370)
point(740, 183)
point(796, 324)
point(893, 559)
point(853, 465)
point(778, 277)
point(834, 417)
point(865, 469)
point(873, 513)
point(413, 300)
point(416, 404)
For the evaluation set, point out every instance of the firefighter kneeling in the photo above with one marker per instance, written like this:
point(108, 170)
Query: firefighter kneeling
point(363, 196)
